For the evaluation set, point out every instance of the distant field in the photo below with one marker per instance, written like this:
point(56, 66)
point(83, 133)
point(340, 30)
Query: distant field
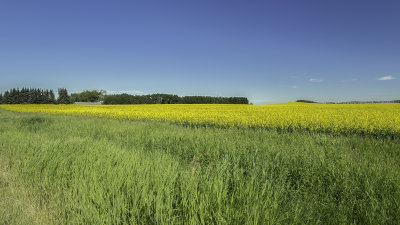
point(366, 119)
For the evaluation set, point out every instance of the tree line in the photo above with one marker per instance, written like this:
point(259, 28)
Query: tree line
point(34, 96)
point(364, 102)
point(88, 96)
point(46, 96)
point(170, 99)
point(352, 102)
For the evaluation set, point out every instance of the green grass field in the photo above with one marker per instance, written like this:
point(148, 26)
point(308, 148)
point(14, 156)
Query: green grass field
point(83, 170)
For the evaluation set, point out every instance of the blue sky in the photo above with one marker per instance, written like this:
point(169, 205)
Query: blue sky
point(268, 51)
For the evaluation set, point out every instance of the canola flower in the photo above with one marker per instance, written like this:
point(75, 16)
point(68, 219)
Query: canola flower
point(367, 119)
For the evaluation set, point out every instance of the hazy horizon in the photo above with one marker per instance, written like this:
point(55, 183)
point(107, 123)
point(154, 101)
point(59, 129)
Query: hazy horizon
point(269, 52)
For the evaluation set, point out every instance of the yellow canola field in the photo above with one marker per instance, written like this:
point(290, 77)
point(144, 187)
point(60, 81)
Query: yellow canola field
point(372, 119)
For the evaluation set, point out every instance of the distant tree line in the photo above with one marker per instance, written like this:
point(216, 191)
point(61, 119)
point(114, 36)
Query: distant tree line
point(46, 96)
point(364, 102)
point(352, 102)
point(305, 101)
point(88, 96)
point(213, 100)
point(171, 99)
point(34, 96)
point(140, 99)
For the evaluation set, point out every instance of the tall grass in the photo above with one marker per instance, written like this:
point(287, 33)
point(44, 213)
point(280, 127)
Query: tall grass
point(104, 171)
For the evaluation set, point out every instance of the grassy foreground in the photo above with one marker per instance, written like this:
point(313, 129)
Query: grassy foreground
point(62, 169)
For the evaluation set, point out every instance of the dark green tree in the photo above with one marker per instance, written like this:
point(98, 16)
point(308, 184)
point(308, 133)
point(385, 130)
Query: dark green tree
point(30, 96)
point(171, 99)
point(63, 97)
point(52, 99)
point(36, 96)
point(75, 97)
point(6, 98)
point(13, 96)
point(88, 96)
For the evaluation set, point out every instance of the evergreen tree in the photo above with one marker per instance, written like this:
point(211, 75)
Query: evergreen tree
point(23, 95)
point(42, 97)
point(47, 96)
point(37, 96)
point(18, 96)
point(30, 96)
point(12, 96)
point(52, 98)
point(63, 97)
point(26, 95)
point(33, 96)
point(6, 98)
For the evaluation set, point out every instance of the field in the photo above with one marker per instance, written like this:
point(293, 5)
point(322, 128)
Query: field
point(200, 164)
point(367, 119)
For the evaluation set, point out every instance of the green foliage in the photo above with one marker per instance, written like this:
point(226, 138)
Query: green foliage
point(28, 96)
point(88, 96)
point(52, 98)
point(104, 171)
point(6, 98)
point(306, 101)
point(141, 99)
point(41, 96)
point(213, 100)
point(171, 99)
point(63, 97)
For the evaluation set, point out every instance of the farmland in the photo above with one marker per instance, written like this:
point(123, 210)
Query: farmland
point(287, 163)
point(367, 119)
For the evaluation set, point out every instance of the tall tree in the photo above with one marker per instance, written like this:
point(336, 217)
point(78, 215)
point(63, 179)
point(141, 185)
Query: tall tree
point(6, 98)
point(24, 95)
point(13, 96)
point(52, 97)
point(63, 97)
point(47, 94)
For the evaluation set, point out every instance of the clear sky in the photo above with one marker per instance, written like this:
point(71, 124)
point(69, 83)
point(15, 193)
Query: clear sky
point(268, 51)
